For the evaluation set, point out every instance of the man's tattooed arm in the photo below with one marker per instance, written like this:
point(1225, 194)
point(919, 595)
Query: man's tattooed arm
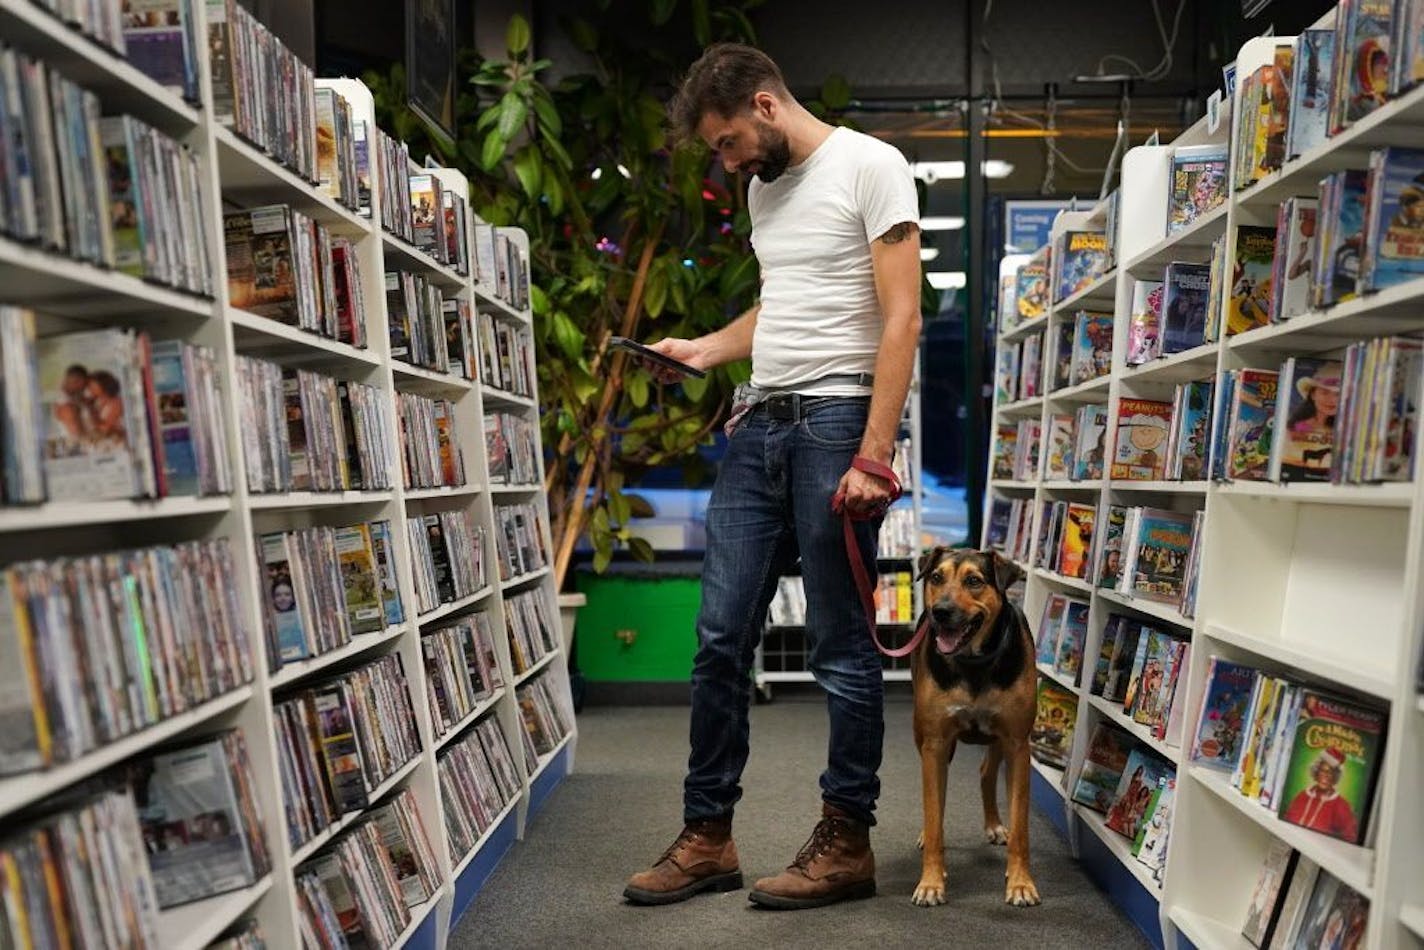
point(899, 232)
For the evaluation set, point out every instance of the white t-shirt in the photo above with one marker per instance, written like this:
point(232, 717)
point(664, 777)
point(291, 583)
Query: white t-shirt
point(811, 231)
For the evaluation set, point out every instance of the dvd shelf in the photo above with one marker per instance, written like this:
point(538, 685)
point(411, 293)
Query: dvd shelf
point(253, 546)
point(1304, 542)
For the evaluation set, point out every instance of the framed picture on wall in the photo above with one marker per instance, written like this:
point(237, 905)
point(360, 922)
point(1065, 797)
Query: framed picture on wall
point(430, 63)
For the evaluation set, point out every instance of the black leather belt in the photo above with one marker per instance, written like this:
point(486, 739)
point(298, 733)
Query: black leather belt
point(793, 407)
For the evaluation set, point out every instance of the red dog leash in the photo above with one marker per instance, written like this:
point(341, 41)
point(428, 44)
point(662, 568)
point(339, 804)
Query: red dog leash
point(865, 583)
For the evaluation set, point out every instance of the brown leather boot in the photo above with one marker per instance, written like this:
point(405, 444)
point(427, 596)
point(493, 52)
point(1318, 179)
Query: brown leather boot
point(836, 864)
point(703, 858)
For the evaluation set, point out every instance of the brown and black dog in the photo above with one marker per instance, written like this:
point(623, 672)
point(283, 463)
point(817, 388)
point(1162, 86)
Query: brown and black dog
point(974, 681)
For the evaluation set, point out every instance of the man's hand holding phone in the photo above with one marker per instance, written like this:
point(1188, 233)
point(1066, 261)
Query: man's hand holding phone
point(689, 353)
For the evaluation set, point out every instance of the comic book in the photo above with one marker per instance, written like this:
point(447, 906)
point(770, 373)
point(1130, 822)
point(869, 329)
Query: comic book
point(1051, 739)
point(1184, 301)
point(1073, 559)
point(1198, 184)
point(1083, 258)
point(1328, 785)
point(1142, 429)
point(1250, 301)
point(1217, 741)
point(1248, 450)
point(1091, 428)
point(1092, 346)
point(1311, 85)
point(1144, 328)
point(1106, 757)
point(1395, 241)
point(1306, 410)
point(1139, 780)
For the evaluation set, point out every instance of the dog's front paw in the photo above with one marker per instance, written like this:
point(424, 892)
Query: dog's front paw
point(1021, 892)
point(996, 834)
point(929, 892)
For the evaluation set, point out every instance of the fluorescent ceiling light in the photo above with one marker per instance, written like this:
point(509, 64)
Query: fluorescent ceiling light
point(931, 172)
point(947, 280)
point(597, 174)
point(929, 253)
point(941, 223)
point(623, 170)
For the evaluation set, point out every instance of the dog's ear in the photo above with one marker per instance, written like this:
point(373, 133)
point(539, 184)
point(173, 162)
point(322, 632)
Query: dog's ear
point(929, 559)
point(1006, 572)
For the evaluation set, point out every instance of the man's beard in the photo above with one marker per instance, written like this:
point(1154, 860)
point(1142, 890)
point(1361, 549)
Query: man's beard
point(776, 154)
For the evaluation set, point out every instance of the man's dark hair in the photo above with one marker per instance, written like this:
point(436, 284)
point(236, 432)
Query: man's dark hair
point(723, 80)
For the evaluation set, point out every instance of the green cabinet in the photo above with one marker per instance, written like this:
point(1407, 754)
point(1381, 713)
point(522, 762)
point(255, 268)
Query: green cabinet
point(640, 623)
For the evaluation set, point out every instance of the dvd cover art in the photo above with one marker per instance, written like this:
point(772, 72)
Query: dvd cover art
point(1308, 436)
point(1311, 84)
point(1250, 302)
point(1398, 241)
point(1085, 259)
point(1367, 66)
point(1198, 185)
point(1333, 762)
point(1252, 424)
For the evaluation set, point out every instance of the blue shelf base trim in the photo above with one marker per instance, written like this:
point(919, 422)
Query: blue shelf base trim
point(479, 870)
point(1102, 866)
point(1048, 800)
point(1126, 891)
point(424, 936)
point(546, 783)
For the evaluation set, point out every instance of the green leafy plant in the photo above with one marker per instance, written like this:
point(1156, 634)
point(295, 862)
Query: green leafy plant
point(628, 235)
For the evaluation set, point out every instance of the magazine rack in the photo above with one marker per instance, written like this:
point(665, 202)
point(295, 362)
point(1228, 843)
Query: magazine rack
point(1312, 580)
point(69, 295)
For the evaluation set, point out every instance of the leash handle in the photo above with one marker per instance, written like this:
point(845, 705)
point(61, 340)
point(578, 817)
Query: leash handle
point(864, 582)
point(879, 470)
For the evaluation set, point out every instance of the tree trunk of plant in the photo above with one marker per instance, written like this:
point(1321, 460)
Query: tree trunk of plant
point(573, 524)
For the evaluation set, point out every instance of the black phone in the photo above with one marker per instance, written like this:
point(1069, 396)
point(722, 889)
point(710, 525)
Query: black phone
point(653, 356)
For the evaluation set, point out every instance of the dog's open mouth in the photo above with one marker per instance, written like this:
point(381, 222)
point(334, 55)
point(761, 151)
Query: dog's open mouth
point(951, 639)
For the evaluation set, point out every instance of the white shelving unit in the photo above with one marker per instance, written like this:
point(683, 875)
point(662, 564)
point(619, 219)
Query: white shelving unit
point(794, 663)
point(1316, 581)
point(67, 294)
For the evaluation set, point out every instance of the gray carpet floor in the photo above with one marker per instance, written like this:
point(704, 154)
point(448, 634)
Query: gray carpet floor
point(562, 886)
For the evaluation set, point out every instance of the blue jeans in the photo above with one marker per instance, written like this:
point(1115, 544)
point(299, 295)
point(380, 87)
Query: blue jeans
point(771, 502)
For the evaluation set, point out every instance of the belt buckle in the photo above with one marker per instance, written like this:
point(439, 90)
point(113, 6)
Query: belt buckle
point(783, 407)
